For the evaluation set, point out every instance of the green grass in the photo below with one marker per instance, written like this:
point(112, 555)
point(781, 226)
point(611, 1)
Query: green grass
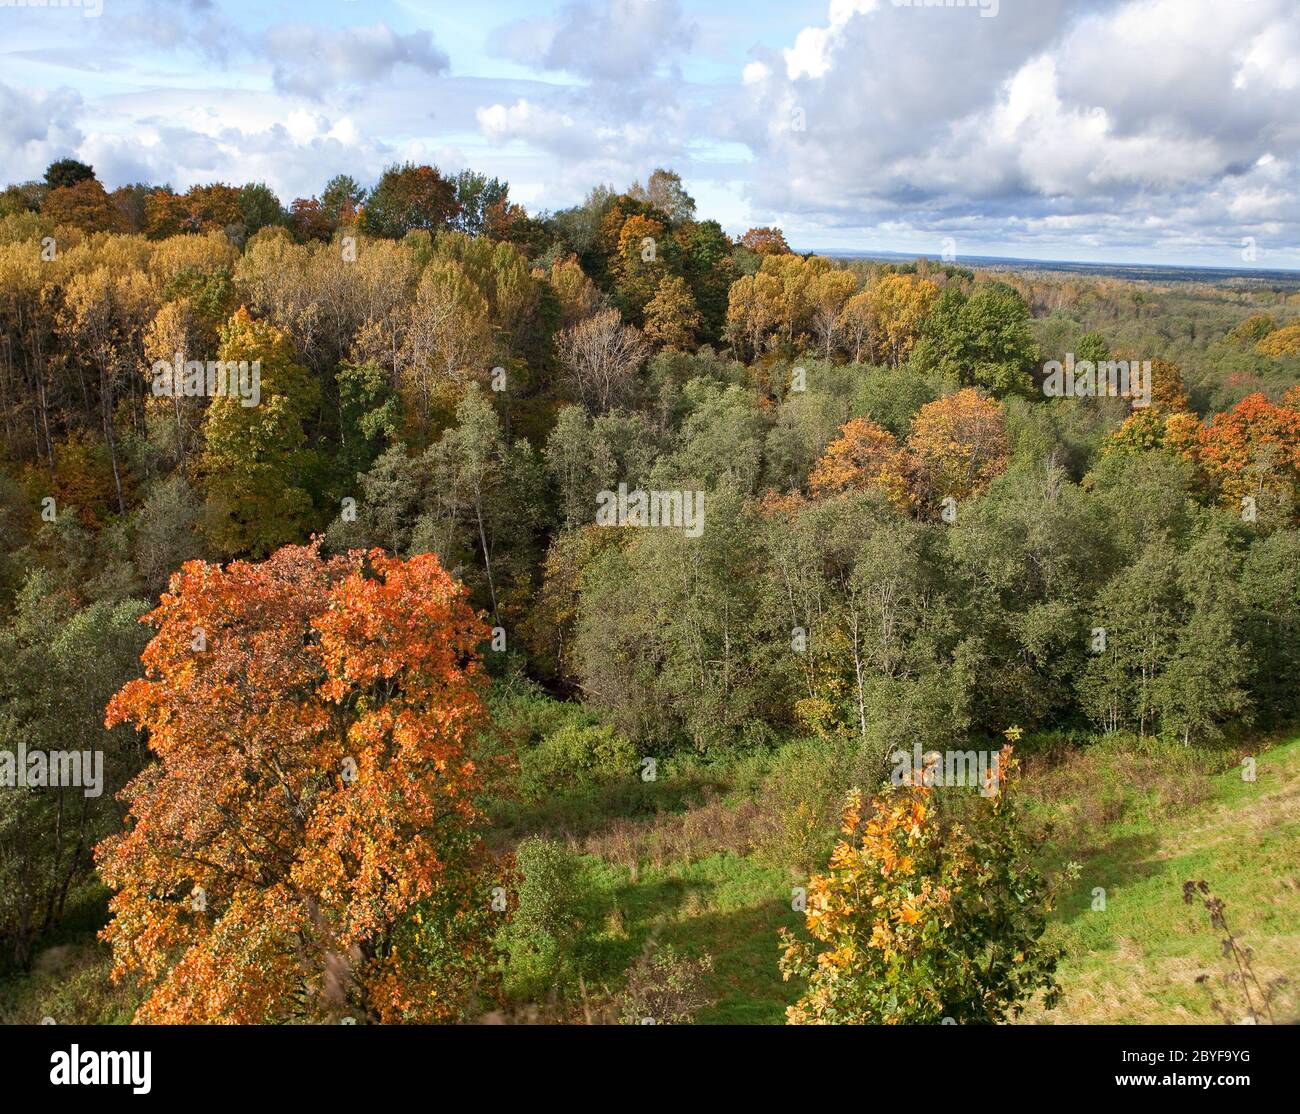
point(725, 905)
point(1137, 960)
point(1140, 820)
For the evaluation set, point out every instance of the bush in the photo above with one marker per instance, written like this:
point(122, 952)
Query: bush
point(664, 988)
point(924, 916)
point(576, 756)
point(543, 922)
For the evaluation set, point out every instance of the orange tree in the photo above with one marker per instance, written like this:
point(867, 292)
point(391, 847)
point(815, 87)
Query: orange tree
point(926, 912)
point(306, 846)
point(864, 456)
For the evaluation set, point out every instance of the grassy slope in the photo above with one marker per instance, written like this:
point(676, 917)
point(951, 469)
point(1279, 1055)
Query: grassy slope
point(1134, 962)
point(1137, 961)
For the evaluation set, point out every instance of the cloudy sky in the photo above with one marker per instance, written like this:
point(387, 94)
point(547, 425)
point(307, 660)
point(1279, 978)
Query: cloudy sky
point(1116, 130)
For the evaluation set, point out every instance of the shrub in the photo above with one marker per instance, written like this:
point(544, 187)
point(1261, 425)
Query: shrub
point(576, 756)
point(664, 988)
point(923, 916)
point(543, 923)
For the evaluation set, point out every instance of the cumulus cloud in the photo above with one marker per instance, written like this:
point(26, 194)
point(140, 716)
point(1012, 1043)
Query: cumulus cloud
point(1173, 119)
point(197, 25)
point(608, 40)
point(36, 128)
point(313, 60)
point(1053, 126)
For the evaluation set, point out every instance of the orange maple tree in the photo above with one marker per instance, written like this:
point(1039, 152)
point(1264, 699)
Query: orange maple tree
point(306, 846)
point(1254, 450)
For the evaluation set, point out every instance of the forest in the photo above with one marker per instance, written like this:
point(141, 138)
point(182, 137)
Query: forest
point(587, 616)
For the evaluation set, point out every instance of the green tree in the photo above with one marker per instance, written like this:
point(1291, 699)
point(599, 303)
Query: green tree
point(59, 665)
point(982, 340)
point(259, 207)
point(63, 173)
point(256, 461)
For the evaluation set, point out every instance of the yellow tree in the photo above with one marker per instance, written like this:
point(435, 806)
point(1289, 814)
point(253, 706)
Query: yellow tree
point(255, 458)
point(671, 318)
point(957, 445)
point(449, 340)
point(899, 305)
point(865, 456)
point(829, 293)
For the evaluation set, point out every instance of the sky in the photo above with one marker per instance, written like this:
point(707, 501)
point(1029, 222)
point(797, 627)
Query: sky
point(1128, 131)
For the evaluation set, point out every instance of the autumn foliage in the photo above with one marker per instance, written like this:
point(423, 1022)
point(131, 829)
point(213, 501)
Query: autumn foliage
point(865, 456)
point(305, 846)
point(926, 913)
point(957, 445)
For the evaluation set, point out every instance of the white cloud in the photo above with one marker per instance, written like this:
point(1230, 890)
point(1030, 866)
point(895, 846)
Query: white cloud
point(602, 40)
point(36, 128)
point(312, 61)
point(1169, 119)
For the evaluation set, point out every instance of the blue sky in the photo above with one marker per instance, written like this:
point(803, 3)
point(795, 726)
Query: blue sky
point(1163, 131)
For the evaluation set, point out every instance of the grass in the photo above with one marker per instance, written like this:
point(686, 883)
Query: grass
point(1140, 819)
point(1137, 960)
point(697, 871)
point(726, 905)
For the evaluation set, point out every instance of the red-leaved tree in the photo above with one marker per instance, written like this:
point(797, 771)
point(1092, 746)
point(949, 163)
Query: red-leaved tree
point(306, 846)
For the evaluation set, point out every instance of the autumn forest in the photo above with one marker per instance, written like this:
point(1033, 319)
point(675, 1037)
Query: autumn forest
point(415, 608)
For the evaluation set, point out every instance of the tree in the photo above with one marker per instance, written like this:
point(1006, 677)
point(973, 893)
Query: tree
point(84, 205)
point(830, 293)
point(664, 190)
point(63, 173)
point(639, 264)
point(477, 194)
point(578, 296)
point(1139, 611)
point(857, 327)
point(312, 803)
point(983, 340)
point(925, 915)
point(1282, 342)
point(1253, 450)
point(256, 463)
point(484, 502)
point(308, 221)
point(1253, 329)
point(710, 271)
point(899, 305)
point(671, 318)
point(259, 207)
point(199, 209)
point(449, 336)
point(410, 197)
point(957, 445)
point(58, 667)
point(602, 356)
point(341, 199)
point(863, 457)
point(765, 241)
point(1202, 685)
